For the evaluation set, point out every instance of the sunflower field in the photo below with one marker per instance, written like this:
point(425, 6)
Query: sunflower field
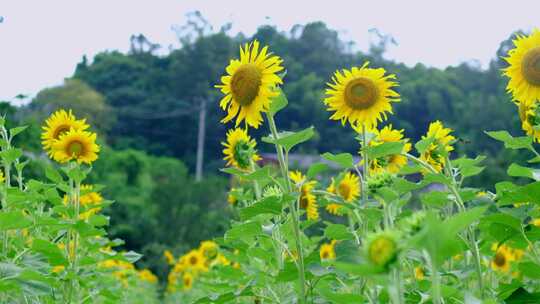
point(395, 224)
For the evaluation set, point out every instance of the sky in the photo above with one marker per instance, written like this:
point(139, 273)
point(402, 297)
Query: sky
point(41, 41)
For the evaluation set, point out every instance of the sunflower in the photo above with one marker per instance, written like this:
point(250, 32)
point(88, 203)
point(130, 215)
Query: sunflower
point(208, 249)
point(76, 145)
point(250, 84)
point(308, 201)
point(335, 209)
point(348, 187)
point(187, 281)
point(435, 154)
point(2, 178)
point(530, 119)
point(58, 123)
point(524, 68)
point(148, 276)
point(195, 260)
point(391, 163)
point(501, 260)
point(419, 273)
point(362, 95)
point(169, 257)
point(239, 149)
point(327, 251)
point(382, 249)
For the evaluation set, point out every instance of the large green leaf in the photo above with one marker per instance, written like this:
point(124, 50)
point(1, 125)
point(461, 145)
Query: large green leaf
point(345, 160)
point(50, 250)
point(268, 205)
point(510, 142)
point(13, 220)
point(384, 149)
point(279, 102)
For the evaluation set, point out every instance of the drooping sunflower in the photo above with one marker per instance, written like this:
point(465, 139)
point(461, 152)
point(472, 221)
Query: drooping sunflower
point(327, 251)
point(57, 124)
point(530, 119)
point(390, 163)
point(239, 149)
point(441, 145)
point(524, 68)
point(250, 84)
point(348, 187)
point(308, 201)
point(361, 96)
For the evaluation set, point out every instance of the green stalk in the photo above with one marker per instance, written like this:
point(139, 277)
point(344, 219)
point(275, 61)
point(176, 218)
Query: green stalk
point(7, 180)
point(284, 171)
point(435, 280)
point(473, 245)
point(365, 169)
point(255, 183)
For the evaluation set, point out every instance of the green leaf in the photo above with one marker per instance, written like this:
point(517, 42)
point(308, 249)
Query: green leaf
point(315, 169)
point(469, 167)
point(436, 199)
point(510, 142)
point(11, 154)
point(520, 171)
point(278, 103)
point(530, 270)
point(337, 232)
point(54, 255)
point(14, 131)
point(290, 139)
point(132, 256)
point(244, 231)
point(358, 269)
point(53, 174)
point(384, 149)
point(268, 205)
point(13, 220)
point(422, 145)
point(462, 220)
point(522, 296)
point(345, 160)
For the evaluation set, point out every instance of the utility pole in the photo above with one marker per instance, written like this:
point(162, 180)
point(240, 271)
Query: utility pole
point(200, 140)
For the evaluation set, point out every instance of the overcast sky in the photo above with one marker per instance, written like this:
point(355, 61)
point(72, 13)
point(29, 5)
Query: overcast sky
point(42, 40)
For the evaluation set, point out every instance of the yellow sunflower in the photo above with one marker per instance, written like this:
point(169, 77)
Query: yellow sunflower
point(196, 261)
point(239, 149)
point(441, 145)
point(2, 178)
point(502, 258)
point(524, 68)
point(308, 201)
point(348, 187)
point(58, 123)
point(391, 163)
point(382, 248)
point(169, 257)
point(327, 251)
point(208, 249)
point(335, 209)
point(530, 119)
point(187, 281)
point(362, 95)
point(250, 84)
point(76, 145)
point(419, 273)
point(148, 276)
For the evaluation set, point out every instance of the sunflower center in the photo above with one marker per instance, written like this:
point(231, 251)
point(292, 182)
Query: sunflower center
point(500, 259)
point(304, 200)
point(361, 93)
point(245, 84)
point(75, 148)
point(193, 260)
point(60, 130)
point(325, 255)
point(344, 190)
point(242, 154)
point(530, 66)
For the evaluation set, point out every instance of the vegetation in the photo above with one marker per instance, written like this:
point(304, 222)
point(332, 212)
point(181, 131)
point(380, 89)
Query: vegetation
point(435, 210)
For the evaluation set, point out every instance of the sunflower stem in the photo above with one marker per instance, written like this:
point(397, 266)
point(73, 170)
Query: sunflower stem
point(435, 280)
point(294, 212)
point(471, 238)
point(255, 183)
point(7, 181)
point(365, 168)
